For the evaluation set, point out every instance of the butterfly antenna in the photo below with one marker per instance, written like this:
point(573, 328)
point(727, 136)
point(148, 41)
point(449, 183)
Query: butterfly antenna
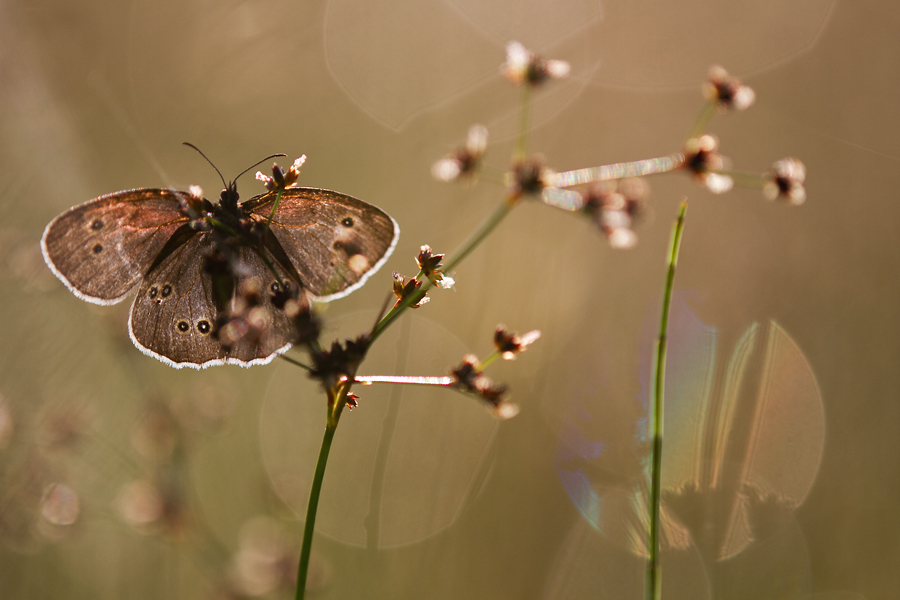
point(259, 163)
point(190, 145)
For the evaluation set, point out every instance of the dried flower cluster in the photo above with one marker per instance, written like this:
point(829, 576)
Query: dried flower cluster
point(509, 344)
point(786, 181)
point(530, 176)
point(404, 289)
point(617, 199)
point(468, 377)
point(280, 179)
point(464, 161)
point(615, 206)
point(702, 159)
point(430, 265)
point(726, 91)
point(339, 363)
point(524, 67)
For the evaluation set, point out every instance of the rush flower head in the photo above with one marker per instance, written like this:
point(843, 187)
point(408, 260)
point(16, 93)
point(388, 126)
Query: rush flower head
point(467, 377)
point(786, 181)
point(463, 161)
point(614, 207)
point(524, 67)
point(405, 288)
point(701, 157)
point(281, 179)
point(430, 264)
point(339, 362)
point(530, 176)
point(510, 344)
point(726, 91)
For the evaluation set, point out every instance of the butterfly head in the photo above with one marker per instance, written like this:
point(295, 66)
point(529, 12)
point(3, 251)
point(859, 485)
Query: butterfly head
point(229, 198)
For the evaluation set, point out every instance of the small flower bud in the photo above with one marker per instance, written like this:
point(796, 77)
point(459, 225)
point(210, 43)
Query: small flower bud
point(614, 206)
point(530, 176)
point(404, 288)
point(430, 264)
point(524, 67)
point(726, 91)
point(702, 158)
point(786, 181)
point(510, 344)
point(463, 161)
point(266, 180)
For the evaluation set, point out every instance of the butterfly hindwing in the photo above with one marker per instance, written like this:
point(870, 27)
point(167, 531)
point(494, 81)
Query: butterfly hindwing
point(101, 249)
point(334, 241)
point(178, 309)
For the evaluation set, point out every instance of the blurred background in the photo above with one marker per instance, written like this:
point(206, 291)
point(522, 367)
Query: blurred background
point(124, 478)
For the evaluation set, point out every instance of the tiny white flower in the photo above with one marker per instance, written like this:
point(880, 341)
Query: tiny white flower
point(522, 66)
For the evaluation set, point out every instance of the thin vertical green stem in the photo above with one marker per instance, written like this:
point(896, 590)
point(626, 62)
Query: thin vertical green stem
point(522, 141)
point(312, 508)
point(654, 571)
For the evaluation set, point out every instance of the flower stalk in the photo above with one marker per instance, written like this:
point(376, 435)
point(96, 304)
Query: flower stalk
point(312, 507)
point(654, 571)
point(338, 394)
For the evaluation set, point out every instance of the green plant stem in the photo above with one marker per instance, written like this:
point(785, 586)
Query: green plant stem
point(337, 395)
point(703, 119)
point(472, 242)
point(295, 362)
point(654, 571)
point(522, 142)
point(477, 236)
point(490, 359)
point(311, 509)
point(744, 179)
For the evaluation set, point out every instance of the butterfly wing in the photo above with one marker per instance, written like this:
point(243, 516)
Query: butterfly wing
point(334, 241)
point(175, 315)
point(102, 248)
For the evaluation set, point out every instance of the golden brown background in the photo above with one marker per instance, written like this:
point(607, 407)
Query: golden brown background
point(426, 496)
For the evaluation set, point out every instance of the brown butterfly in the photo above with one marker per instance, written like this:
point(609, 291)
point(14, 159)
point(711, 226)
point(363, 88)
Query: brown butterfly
point(194, 261)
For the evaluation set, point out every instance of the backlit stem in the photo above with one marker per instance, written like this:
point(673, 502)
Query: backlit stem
point(654, 571)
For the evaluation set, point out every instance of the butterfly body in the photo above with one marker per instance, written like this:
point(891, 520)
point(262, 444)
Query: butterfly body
point(206, 272)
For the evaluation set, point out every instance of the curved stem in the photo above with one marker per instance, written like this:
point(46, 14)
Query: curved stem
point(337, 396)
point(477, 236)
point(312, 508)
point(654, 572)
point(472, 242)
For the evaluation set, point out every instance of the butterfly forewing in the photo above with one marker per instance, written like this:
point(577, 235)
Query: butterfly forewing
point(102, 248)
point(177, 312)
point(333, 240)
